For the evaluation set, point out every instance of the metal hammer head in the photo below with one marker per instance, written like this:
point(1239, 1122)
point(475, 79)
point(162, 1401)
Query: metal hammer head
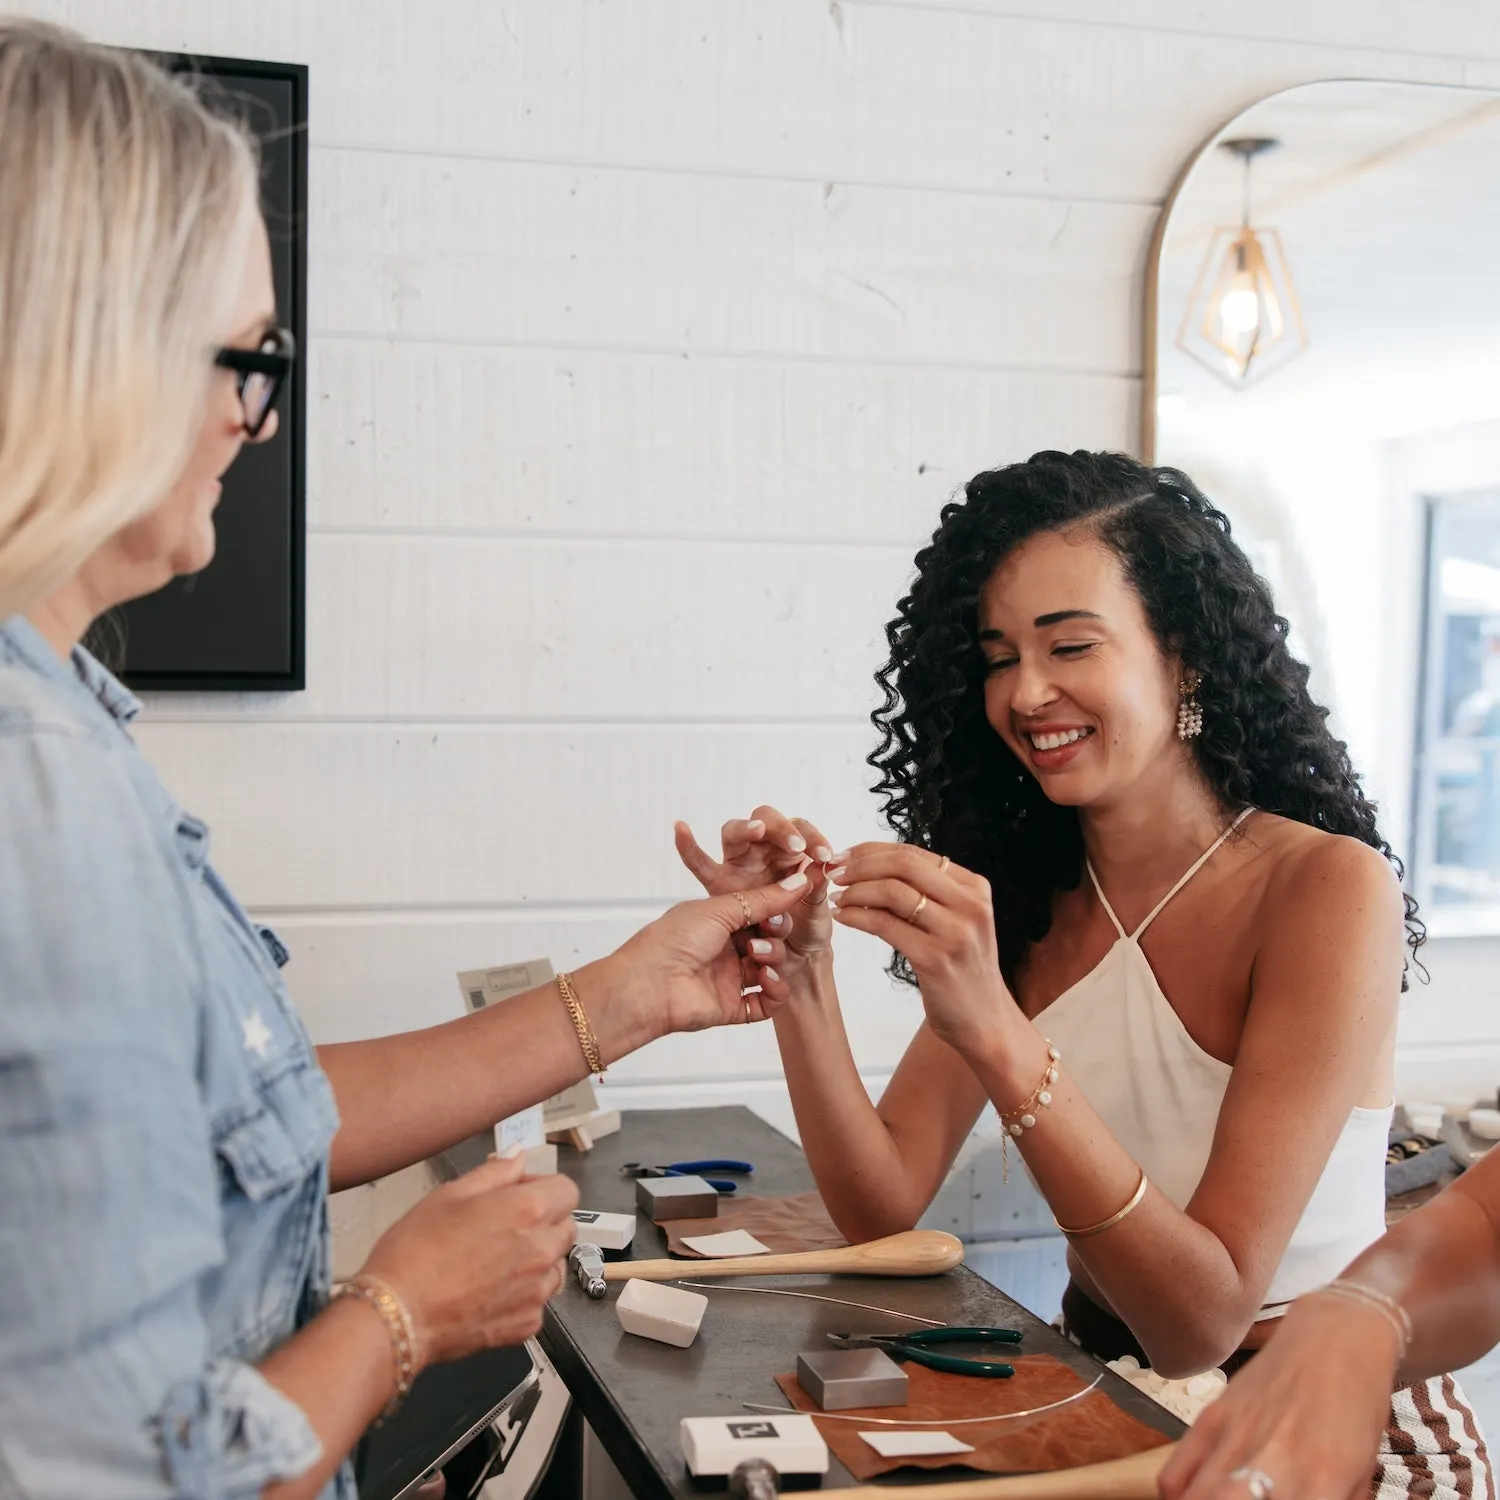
point(755, 1479)
point(587, 1262)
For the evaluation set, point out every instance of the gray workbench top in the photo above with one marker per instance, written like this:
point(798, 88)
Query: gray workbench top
point(634, 1392)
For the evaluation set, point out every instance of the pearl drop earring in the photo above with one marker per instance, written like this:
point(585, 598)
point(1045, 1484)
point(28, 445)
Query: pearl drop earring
point(1189, 709)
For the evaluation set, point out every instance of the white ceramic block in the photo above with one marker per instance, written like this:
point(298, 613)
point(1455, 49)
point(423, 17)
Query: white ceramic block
point(607, 1231)
point(663, 1313)
point(717, 1445)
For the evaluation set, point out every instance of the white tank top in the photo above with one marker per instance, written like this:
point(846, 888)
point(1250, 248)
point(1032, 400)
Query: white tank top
point(1160, 1093)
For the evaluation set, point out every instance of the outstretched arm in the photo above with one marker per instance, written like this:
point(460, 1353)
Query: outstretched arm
point(402, 1098)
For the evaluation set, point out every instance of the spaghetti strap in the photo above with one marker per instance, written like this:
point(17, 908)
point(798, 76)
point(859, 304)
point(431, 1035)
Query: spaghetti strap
point(1192, 870)
point(1103, 899)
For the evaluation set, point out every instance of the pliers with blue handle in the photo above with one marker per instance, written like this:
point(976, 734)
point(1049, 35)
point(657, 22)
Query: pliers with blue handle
point(693, 1169)
point(916, 1347)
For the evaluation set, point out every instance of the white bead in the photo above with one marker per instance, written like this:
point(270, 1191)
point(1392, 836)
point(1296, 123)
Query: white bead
point(1014, 1129)
point(1051, 1075)
point(1044, 1099)
point(1027, 1121)
point(1054, 1054)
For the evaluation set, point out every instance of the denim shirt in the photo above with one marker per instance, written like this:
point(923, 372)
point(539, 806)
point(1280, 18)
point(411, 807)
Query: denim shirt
point(164, 1125)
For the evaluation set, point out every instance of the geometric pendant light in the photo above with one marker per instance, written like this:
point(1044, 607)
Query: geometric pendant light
point(1243, 319)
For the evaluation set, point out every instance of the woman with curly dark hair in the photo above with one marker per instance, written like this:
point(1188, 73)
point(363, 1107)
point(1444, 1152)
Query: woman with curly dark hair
point(1149, 913)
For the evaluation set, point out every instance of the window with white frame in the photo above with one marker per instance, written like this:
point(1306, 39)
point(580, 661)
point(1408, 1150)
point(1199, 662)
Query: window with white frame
point(1456, 849)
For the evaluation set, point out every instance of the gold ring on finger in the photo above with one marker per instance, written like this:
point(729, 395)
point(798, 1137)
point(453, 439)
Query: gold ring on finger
point(747, 1013)
point(943, 864)
point(744, 907)
point(919, 908)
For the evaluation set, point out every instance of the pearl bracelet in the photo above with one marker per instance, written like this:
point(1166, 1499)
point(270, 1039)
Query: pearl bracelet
point(1013, 1122)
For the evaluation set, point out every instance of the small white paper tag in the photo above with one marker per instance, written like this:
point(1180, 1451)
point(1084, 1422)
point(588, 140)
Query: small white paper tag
point(914, 1444)
point(731, 1242)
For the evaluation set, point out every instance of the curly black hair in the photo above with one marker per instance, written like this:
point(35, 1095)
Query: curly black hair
point(951, 784)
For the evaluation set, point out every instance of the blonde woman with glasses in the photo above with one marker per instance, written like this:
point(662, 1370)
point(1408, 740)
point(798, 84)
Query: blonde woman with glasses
point(168, 1134)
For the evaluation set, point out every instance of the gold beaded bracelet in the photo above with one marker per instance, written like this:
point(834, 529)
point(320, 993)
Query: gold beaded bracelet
point(1022, 1117)
point(586, 1038)
point(398, 1325)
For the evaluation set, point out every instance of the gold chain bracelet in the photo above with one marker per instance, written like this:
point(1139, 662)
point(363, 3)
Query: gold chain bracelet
point(586, 1038)
point(1388, 1307)
point(398, 1325)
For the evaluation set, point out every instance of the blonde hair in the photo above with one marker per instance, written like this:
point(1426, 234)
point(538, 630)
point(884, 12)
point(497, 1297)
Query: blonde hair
point(125, 215)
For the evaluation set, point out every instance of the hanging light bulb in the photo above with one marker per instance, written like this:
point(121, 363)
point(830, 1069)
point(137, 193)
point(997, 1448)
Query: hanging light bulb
point(1243, 318)
point(1239, 312)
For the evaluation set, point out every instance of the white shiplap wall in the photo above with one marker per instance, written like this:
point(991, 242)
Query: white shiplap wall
point(646, 338)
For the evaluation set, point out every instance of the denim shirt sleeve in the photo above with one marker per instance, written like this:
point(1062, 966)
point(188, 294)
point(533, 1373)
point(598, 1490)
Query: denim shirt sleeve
point(110, 1221)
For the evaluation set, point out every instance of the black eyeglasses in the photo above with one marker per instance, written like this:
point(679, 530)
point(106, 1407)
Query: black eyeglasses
point(259, 375)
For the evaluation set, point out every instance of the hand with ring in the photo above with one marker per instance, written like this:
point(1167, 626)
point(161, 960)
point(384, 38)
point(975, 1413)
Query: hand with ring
point(940, 918)
point(758, 851)
point(1303, 1420)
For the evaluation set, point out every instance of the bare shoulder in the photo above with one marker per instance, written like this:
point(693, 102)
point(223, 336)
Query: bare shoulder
point(1325, 888)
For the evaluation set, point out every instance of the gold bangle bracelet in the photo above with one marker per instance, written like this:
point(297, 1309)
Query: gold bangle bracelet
point(393, 1313)
point(586, 1038)
point(1113, 1219)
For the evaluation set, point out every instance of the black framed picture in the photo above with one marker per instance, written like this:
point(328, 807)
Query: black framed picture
point(239, 624)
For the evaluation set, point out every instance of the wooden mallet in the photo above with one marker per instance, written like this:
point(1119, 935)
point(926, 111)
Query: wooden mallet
point(917, 1252)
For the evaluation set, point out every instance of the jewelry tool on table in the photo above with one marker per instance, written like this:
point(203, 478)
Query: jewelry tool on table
point(586, 1262)
point(917, 1347)
point(915, 1252)
point(694, 1169)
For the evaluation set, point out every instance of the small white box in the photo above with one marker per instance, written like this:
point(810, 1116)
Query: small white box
point(718, 1445)
point(607, 1231)
point(664, 1313)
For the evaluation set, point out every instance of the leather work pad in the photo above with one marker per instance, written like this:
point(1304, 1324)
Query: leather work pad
point(1090, 1430)
point(783, 1225)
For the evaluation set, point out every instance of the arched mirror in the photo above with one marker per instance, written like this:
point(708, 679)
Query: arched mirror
point(1323, 357)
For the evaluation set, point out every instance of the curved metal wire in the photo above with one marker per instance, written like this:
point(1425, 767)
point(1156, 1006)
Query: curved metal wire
point(773, 1291)
point(1003, 1416)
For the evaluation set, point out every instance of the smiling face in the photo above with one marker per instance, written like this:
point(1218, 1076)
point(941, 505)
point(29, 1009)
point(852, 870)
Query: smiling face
point(1076, 685)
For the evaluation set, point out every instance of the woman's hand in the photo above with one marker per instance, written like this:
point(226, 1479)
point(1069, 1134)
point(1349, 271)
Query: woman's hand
point(478, 1259)
point(759, 850)
point(939, 916)
point(686, 971)
point(1307, 1412)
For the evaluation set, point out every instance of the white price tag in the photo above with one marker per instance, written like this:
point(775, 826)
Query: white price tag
point(914, 1444)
